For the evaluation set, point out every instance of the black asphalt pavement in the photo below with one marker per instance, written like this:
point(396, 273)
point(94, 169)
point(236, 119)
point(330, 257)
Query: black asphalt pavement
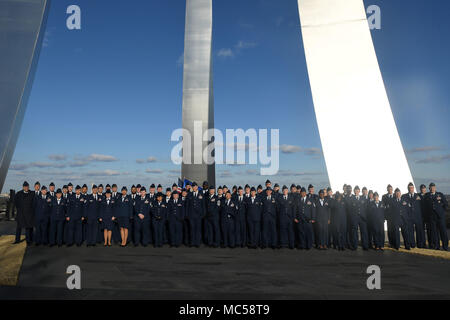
point(190, 273)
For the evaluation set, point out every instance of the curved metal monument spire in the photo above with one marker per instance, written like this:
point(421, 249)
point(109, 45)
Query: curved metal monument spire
point(359, 137)
point(22, 27)
point(198, 101)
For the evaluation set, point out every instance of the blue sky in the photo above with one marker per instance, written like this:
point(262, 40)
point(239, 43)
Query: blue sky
point(106, 98)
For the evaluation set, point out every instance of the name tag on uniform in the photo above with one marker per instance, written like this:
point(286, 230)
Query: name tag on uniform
point(180, 205)
point(308, 203)
point(200, 197)
point(213, 200)
point(146, 202)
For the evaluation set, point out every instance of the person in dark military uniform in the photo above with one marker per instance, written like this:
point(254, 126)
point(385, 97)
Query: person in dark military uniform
point(58, 213)
point(212, 218)
point(228, 215)
point(286, 215)
point(142, 211)
point(37, 189)
point(65, 193)
point(269, 219)
point(358, 220)
point(186, 231)
point(51, 190)
point(107, 215)
point(175, 216)
point(259, 192)
point(339, 222)
point(376, 214)
point(247, 191)
point(195, 214)
point(100, 190)
point(305, 217)
point(387, 200)
point(322, 220)
point(24, 202)
point(415, 217)
point(254, 214)
point(158, 214)
point(268, 185)
point(75, 213)
point(241, 220)
point(426, 217)
point(152, 193)
point(400, 220)
point(123, 214)
point(42, 217)
point(92, 213)
point(276, 191)
point(70, 189)
point(437, 205)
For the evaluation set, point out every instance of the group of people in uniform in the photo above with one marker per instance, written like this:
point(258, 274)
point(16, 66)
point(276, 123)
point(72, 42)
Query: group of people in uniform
point(255, 217)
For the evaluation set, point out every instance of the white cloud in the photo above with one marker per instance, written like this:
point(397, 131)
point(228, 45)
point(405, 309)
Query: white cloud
point(57, 157)
point(436, 159)
point(225, 53)
point(290, 148)
point(155, 171)
point(102, 173)
point(424, 149)
point(148, 160)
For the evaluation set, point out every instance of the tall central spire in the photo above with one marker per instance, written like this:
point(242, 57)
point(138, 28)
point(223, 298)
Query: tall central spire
point(198, 101)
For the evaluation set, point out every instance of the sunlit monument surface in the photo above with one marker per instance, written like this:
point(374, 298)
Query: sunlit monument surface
point(359, 136)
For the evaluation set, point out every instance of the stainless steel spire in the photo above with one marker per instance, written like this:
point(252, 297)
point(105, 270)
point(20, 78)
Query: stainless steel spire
point(198, 101)
point(22, 28)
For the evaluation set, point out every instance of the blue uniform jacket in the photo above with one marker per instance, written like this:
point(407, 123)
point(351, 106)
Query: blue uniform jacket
point(124, 208)
point(58, 211)
point(254, 210)
point(159, 211)
point(175, 212)
point(92, 208)
point(195, 206)
point(306, 210)
point(42, 208)
point(107, 210)
point(269, 208)
point(142, 206)
point(229, 211)
point(286, 210)
point(212, 207)
point(75, 207)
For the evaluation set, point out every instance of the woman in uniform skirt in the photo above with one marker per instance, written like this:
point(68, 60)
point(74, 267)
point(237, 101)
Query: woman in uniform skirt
point(123, 212)
point(107, 218)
